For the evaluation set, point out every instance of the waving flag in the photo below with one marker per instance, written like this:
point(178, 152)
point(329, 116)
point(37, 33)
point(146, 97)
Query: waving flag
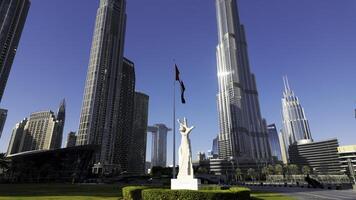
point(182, 87)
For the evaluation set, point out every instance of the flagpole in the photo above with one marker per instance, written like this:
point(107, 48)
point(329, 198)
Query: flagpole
point(174, 123)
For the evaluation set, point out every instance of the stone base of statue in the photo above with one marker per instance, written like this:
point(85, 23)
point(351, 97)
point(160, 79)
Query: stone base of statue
point(185, 184)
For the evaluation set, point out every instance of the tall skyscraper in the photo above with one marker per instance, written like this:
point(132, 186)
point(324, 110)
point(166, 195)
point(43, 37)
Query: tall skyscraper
point(126, 114)
point(295, 124)
point(3, 116)
point(100, 114)
point(17, 137)
point(71, 139)
point(13, 14)
point(274, 142)
point(159, 144)
point(41, 131)
point(137, 153)
point(243, 132)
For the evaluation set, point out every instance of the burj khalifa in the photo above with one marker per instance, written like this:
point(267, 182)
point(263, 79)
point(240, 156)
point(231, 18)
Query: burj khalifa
point(243, 131)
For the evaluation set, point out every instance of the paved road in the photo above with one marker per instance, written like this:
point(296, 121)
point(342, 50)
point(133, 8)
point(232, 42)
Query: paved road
point(309, 193)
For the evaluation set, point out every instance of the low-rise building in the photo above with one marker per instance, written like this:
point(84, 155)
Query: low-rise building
point(347, 156)
point(322, 157)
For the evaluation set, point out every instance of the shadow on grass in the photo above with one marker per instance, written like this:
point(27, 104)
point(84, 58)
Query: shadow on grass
point(32, 190)
point(259, 195)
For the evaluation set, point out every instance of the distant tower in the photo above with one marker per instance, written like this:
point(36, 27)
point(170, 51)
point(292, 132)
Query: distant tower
point(159, 144)
point(274, 142)
point(295, 124)
point(215, 150)
point(41, 131)
point(137, 150)
point(243, 132)
point(71, 140)
point(13, 14)
point(61, 117)
point(126, 114)
point(17, 138)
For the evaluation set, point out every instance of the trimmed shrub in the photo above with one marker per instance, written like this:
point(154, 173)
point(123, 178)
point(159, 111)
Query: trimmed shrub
point(133, 192)
point(215, 194)
point(241, 192)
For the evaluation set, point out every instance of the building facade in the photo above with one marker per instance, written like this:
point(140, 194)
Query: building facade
point(243, 132)
point(71, 139)
point(347, 156)
point(3, 116)
point(274, 142)
point(159, 144)
point(100, 114)
point(13, 14)
point(16, 138)
point(322, 157)
point(295, 124)
point(137, 153)
point(41, 131)
point(215, 149)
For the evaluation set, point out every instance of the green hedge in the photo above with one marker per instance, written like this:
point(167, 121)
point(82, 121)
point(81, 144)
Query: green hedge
point(206, 192)
point(167, 194)
point(133, 192)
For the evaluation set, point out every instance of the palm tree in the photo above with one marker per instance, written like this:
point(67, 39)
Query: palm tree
point(306, 170)
point(238, 174)
point(293, 169)
point(270, 169)
point(278, 169)
point(251, 173)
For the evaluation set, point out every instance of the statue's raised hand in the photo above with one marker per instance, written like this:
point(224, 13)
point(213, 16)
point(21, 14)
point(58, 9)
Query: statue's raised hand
point(183, 128)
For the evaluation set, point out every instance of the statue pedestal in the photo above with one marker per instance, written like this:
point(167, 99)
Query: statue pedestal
point(185, 184)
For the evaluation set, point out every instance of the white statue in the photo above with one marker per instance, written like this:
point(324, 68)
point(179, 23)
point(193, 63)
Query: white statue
point(185, 180)
point(185, 152)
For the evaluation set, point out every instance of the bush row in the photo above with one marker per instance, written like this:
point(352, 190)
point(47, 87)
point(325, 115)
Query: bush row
point(208, 193)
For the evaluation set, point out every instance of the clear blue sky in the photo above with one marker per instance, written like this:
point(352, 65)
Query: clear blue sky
point(313, 42)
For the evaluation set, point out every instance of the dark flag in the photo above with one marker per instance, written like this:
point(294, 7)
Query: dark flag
point(182, 87)
point(177, 74)
point(182, 90)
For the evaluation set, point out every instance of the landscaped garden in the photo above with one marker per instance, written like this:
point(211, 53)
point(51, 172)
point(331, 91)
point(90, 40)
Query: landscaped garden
point(114, 192)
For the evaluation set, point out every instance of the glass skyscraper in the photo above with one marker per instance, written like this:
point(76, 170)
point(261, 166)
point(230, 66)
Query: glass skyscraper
point(100, 114)
point(243, 132)
point(274, 142)
point(295, 124)
point(13, 14)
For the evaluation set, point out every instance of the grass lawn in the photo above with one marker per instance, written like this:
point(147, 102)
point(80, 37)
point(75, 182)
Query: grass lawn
point(85, 192)
point(269, 196)
point(59, 192)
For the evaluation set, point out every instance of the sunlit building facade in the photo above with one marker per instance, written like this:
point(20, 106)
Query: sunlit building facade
point(13, 14)
point(295, 124)
point(99, 119)
point(243, 131)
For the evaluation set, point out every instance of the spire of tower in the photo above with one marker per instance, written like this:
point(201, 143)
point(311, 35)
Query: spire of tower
point(62, 110)
point(287, 89)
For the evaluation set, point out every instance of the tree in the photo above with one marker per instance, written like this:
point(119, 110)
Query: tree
point(264, 171)
point(267, 170)
point(238, 174)
point(306, 170)
point(270, 169)
point(293, 169)
point(202, 170)
point(278, 169)
point(251, 173)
